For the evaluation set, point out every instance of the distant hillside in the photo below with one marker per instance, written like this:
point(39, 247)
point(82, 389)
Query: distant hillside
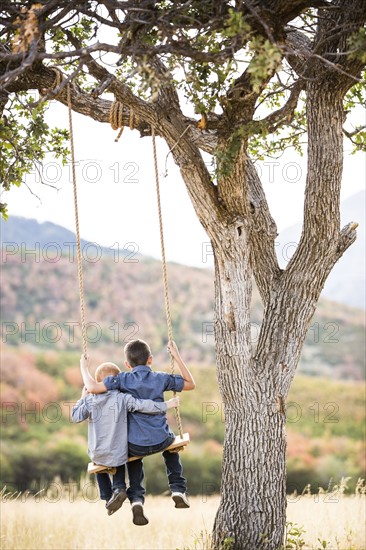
point(124, 300)
point(123, 297)
point(325, 426)
point(347, 281)
point(23, 230)
point(30, 234)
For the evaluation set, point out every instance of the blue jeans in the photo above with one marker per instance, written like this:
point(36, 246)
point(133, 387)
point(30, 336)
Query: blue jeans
point(173, 466)
point(106, 486)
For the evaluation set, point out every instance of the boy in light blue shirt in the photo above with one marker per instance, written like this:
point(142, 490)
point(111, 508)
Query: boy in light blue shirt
point(148, 434)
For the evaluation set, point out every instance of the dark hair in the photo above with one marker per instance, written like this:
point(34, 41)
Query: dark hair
point(137, 352)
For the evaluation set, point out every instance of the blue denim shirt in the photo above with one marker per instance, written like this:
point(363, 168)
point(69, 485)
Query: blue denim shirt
point(144, 383)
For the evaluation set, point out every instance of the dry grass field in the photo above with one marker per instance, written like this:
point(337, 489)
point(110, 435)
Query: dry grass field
point(339, 523)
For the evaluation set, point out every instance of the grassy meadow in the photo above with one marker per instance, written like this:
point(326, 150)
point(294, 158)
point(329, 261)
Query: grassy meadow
point(329, 521)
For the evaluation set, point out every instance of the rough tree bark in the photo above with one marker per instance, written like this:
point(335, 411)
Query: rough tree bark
point(254, 383)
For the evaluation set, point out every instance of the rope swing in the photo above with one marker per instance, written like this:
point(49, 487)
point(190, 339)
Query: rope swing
point(165, 272)
point(116, 121)
point(77, 230)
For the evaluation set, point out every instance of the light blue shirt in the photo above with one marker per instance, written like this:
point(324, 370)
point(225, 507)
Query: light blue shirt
point(107, 427)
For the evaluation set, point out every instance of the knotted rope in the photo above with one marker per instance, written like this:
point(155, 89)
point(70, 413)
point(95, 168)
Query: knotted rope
point(59, 77)
point(116, 118)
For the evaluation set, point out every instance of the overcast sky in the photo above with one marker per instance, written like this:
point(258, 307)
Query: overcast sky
point(116, 188)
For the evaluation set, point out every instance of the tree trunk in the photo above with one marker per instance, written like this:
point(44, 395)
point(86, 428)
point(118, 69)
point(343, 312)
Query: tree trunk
point(253, 499)
point(252, 512)
point(254, 386)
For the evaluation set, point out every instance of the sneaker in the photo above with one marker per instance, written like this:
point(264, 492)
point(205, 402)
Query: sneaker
point(116, 501)
point(138, 516)
point(181, 500)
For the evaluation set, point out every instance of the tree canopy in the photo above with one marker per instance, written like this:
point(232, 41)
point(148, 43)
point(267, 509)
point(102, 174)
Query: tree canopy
point(238, 67)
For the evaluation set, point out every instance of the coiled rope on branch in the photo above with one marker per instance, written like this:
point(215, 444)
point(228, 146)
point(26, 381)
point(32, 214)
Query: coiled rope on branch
point(116, 118)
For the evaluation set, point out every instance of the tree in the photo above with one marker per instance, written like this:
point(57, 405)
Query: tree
point(259, 75)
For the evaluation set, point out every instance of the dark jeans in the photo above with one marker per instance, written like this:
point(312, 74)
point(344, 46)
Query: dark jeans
point(106, 486)
point(173, 466)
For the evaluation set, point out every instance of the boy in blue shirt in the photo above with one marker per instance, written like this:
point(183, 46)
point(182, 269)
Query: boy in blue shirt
point(107, 432)
point(148, 434)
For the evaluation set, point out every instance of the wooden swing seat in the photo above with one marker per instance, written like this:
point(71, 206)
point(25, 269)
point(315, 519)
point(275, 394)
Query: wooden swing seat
point(178, 445)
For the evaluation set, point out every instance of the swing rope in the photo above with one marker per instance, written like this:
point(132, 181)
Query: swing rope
point(77, 230)
point(116, 119)
point(165, 272)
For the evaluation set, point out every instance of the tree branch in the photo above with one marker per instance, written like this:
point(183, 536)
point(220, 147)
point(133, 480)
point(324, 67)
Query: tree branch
point(317, 247)
point(355, 131)
point(347, 236)
point(143, 110)
point(327, 57)
point(9, 76)
point(96, 108)
point(169, 123)
point(284, 115)
point(263, 232)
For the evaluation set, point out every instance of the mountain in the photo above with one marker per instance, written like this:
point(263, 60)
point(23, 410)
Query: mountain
point(123, 293)
point(346, 282)
point(124, 299)
point(22, 230)
point(48, 240)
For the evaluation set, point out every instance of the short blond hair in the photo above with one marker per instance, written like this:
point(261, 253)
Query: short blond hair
point(106, 369)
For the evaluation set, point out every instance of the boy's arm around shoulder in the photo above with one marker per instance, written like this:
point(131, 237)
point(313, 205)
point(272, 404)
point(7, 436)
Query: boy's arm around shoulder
point(80, 410)
point(91, 385)
point(148, 406)
point(189, 383)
